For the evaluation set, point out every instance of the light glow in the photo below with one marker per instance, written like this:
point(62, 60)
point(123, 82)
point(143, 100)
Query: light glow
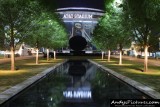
point(78, 94)
point(77, 16)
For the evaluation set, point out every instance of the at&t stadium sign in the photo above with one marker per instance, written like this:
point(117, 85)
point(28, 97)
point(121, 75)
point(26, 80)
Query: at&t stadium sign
point(77, 16)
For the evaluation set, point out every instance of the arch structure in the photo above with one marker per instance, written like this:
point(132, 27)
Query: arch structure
point(80, 23)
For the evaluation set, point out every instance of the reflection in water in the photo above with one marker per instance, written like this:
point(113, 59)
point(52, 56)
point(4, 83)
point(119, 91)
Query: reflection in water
point(106, 87)
point(77, 70)
point(79, 94)
point(75, 84)
point(79, 90)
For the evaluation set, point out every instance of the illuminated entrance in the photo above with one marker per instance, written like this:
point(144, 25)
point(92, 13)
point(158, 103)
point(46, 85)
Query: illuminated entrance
point(80, 23)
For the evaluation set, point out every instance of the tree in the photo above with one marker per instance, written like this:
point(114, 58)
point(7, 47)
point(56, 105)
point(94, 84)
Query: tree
point(112, 30)
point(102, 36)
point(47, 33)
point(59, 37)
point(143, 16)
point(15, 17)
point(121, 32)
point(99, 45)
point(2, 37)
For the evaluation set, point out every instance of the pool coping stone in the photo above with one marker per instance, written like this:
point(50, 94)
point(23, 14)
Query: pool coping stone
point(141, 87)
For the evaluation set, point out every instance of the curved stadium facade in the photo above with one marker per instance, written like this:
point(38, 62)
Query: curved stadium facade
point(80, 23)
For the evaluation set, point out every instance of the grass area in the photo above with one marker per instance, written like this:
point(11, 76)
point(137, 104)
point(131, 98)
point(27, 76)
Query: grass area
point(27, 69)
point(133, 70)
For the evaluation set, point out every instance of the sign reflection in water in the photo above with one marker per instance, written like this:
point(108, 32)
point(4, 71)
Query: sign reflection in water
point(79, 87)
point(78, 94)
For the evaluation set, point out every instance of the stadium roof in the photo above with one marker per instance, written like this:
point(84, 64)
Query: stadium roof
point(96, 4)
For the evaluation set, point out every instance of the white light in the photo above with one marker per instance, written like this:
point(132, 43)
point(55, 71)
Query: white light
point(118, 1)
point(77, 94)
point(77, 16)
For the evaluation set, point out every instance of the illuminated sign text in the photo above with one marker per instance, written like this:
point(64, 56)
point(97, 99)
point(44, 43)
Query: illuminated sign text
point(77, 16)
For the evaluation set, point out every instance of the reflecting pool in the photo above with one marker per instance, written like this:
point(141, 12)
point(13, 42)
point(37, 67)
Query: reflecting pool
point(76, 83)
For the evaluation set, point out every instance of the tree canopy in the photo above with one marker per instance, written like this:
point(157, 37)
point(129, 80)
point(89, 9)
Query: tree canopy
point(18, 19)
point(47, 32)
point(112, 30)
point(136, 20)
point(143, 16)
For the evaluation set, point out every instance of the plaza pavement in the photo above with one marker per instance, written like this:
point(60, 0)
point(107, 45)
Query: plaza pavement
point(154, 62)
point(5, 60)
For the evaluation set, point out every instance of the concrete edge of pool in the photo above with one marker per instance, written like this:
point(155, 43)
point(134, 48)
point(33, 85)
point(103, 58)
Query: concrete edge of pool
point(6, 95)
point(11, 92)
point(143, 88)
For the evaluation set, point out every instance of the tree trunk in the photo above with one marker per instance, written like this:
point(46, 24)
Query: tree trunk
point(47, 54)
point(12, 58)
point(2, 34)
point(145, 58)
point(120, 57)
point(37, 51)
point(12, 50)
point(102, 55)
point(120, 54)
point(109, 55)
point(54, 54)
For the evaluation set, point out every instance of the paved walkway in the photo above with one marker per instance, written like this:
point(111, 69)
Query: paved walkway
point(5, 60)
point(154, 62)
point(150, 61)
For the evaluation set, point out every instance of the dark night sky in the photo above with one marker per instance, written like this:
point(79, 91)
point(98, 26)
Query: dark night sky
point(98, 4)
